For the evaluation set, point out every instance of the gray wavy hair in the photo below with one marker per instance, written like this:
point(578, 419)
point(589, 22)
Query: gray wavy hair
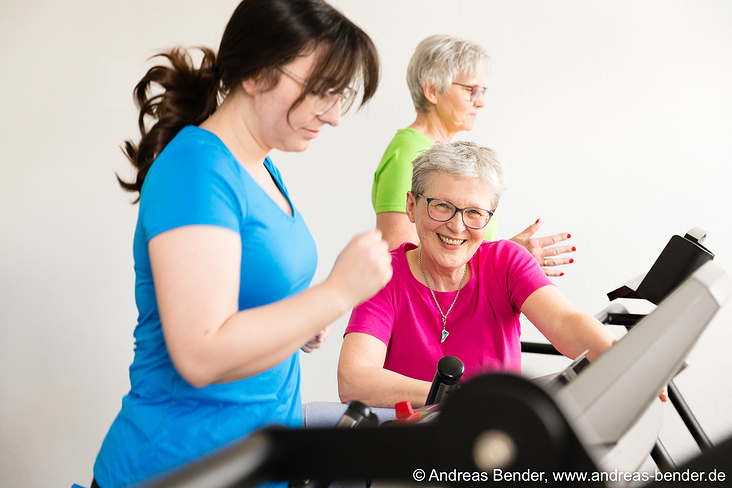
point(438, 60)
point(465, 160)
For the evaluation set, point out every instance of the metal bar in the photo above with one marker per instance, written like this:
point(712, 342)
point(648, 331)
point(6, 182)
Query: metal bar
point(688, 417)
point(660, 456)
point(539, 348)
point(627, 320)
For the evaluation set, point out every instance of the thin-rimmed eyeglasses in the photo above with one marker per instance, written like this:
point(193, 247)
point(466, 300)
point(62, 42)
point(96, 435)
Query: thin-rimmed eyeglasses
point(475, 90)
point(325, 101)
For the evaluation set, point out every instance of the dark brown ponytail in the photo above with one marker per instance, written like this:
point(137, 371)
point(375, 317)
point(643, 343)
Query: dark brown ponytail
point(261, 36)
point(190, 95)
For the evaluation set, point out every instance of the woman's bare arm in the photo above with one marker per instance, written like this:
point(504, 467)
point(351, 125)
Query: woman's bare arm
point(569, 330)
point(196, 270)
point(361, 375)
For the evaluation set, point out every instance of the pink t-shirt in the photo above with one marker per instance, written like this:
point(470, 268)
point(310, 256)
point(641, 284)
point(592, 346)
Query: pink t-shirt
point(483, 325)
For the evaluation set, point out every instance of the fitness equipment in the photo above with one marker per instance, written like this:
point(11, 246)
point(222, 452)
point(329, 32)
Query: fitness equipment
point(447, 379)
point(493, 422)
point(356, 415)
point(496, 421)
point(611, 394)
point(681, 257)
point(678, 260)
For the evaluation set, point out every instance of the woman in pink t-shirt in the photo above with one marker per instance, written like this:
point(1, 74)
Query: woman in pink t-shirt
point(455, 294)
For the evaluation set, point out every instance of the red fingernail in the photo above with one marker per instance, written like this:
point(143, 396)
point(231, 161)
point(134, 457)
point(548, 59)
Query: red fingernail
point(574, 248)
point(571, 261)
point(569, 236)
point(562, 274)
point(537, 221)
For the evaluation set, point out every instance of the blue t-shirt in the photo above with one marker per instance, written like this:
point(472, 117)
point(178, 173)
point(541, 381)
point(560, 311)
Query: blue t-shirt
point(164, 421)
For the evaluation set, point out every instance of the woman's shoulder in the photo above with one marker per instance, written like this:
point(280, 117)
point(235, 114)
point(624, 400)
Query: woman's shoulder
point(412, 138)
point(194, 142)
point(194, 149)
point(193, 158)
point(408, 140)
point(399, 254)
point(400, 262)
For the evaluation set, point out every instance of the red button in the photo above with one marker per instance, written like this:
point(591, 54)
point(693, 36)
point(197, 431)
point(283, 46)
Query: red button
point(403, 409)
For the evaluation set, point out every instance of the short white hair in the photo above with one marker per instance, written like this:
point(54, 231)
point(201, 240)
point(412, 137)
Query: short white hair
point(462, 159)
point(438, 60)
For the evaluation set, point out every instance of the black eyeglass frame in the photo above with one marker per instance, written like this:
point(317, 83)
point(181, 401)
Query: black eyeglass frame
point(457, 209)
point(475, 90)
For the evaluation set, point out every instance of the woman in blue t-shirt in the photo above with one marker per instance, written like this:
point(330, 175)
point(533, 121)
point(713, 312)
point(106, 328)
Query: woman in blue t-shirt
point(223, 259)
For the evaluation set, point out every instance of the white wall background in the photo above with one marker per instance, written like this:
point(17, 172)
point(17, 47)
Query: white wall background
point(612, 116)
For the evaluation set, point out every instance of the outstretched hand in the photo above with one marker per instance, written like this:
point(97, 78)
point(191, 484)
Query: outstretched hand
point(539, 247)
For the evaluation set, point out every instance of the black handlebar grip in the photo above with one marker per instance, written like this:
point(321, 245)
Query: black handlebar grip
point(447, 378)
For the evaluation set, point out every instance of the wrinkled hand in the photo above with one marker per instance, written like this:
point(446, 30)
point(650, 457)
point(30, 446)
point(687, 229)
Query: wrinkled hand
point(315, 342)
point(539, 248)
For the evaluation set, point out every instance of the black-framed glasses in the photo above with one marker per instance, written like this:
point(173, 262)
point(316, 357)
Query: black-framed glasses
point(444, 211)
point(325, 101)
point(475, 90)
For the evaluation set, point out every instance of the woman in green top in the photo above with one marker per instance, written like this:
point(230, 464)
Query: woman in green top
point(446, 78)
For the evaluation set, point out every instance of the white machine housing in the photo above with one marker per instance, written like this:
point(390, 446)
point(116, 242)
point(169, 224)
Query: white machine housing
point(610, 395)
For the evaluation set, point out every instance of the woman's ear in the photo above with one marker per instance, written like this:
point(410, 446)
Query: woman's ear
point(411, 206)
point(429, 92)
point(250, 86)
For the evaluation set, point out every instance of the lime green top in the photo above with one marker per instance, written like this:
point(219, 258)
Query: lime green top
point(393, 177)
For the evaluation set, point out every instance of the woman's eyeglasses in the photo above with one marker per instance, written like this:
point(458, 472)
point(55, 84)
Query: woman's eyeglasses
point(475, 90)
point(325, 101)
point(443, 211)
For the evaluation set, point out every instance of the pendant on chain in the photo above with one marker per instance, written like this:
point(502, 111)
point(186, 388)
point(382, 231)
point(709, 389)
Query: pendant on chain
point(445, 333)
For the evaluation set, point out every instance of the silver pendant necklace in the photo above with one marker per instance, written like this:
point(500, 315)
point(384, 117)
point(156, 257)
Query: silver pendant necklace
point(445, 333)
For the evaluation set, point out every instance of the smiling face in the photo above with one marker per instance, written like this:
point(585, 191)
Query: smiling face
point(278, 127)
point(454, 107)
point(447, 246)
